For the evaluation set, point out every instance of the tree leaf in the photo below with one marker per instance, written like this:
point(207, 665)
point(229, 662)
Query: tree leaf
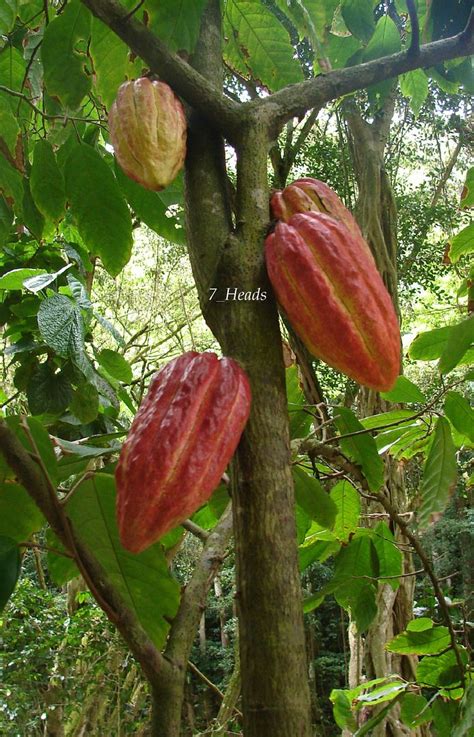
point(48, 392)
point(441, 671)
point(19, 515)
point(439, 473)
point(462, 244)
point(61, 325)
point(8, 13)
point(415, 710)
point(300, 421)
point(111, 59)
point(11, 182)
point(85, 403)
point(359, 18)
point(460, 339)
point(414, 85)
point(312, 498)
point(427, 642)
point(404, 391)
point(10, 566)
point(257, 45)
point(44, 446)
point(115, 365)
point(15, 279)
point(347, 501)
point(467, 195)
point(420, 624)
point(61, 568)
point(430, 345)
point(41, 281)
point(98, 206)
point(64, 65)
point(389, 555)
point(361, 448)
point(143, 581)
point(47, 182)
point(177, 24)
point(460, 413)
point(9, 128)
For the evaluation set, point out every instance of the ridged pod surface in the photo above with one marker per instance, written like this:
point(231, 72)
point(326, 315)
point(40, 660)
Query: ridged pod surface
point(180, 443)
point(147, 128)
point(328, 284)
point(311, 195)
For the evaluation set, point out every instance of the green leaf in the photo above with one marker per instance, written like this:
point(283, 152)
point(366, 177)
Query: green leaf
point(19, 515)
point(414, 85)
point(356, 563)
point(9, 128)
point(10, 565)
point(143, 581)
point(430, 345)
point(111, 60)
point(41, 281)
point(312, 498)
point(389, 555)
point(361, 448)
point(467, 195)
point(404, 391)
point(300, 420)
point(43, 445)
point(381, 694)
point(98, 206)
point(439, 473)
point(465, 721)
point(347, 501)
point(6, 221)
point(313, 602)
point(444, 717)
point(48, 392)
point(11, 182)
point(385, 40)
point(8, 13)
point(47, 182)
point(115, 365)
point(393, 418)
point(151, 208)
point(370, 724)
point(64, 66)
point(32, 217)
point(258, 46)
point(177, 24)
point(85, 403)
point(441, 671)
point(420, 625)
point(460, 413)
point(460, 339)
point(359, 18)
point(61, 326)
point(14, 279)
point(318, 549)
point(61, 568)
point(462, 244)
point(415, 710)
point(427, 642)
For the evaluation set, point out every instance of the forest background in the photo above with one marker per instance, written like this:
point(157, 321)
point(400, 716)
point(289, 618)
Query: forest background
point(103, 282)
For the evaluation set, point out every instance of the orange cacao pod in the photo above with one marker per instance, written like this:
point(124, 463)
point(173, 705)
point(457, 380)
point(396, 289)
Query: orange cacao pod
point(328, 284)
point(147, 128)
point(311, 195)
point(179, 445)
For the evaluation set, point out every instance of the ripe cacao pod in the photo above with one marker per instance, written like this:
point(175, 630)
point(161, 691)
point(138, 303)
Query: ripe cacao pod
point(179, 445)
point(147, 128)
point(328, 284)
point(311, 195)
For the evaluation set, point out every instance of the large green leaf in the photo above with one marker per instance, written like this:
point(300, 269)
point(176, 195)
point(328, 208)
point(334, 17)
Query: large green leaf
point(460, 413)
point(404, 391)
point(441, 671)
point(98, 206)
point(384, 41)
point(61, 567)
point(257, 44)
point(359, 18)
point(111, 60)
point(415, 710)
point(177, 24)
point(15, 279)
point(143, 581)
point(64, 66)
point(347, 501)
point(312, 498)
point(427, 642)
point(48, 392)
point(115, 365)
point(8, 12)
point(414, 85)
point(432, 344)
point(11, 182)
point(460, 339)
point(389, 555)
point(9, 128)
point(439, 473)
point(467, 196)
point(355, 565)
point(19, 515)
point(46, 182)
point(300, 420)
point(445, 713)
point(462, 244)
point(151, 208)
point(10, 565)
point(361, 448)
point(61, 325)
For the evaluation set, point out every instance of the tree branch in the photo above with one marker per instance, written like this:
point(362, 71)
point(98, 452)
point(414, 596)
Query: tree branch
point(30, 476)
point(185, 80)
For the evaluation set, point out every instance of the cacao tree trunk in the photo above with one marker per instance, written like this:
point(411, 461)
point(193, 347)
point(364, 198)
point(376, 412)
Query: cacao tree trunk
point(275, 693)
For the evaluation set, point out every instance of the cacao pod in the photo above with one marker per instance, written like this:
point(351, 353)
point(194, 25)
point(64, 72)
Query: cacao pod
point(147, 128)
point(179, 445)
point(311, 195)
point(328, 284)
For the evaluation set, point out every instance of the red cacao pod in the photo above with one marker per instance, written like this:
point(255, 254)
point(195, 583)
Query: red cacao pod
point(328, 284)
point(180, 443)
point(147, 128)
point(311, 195)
